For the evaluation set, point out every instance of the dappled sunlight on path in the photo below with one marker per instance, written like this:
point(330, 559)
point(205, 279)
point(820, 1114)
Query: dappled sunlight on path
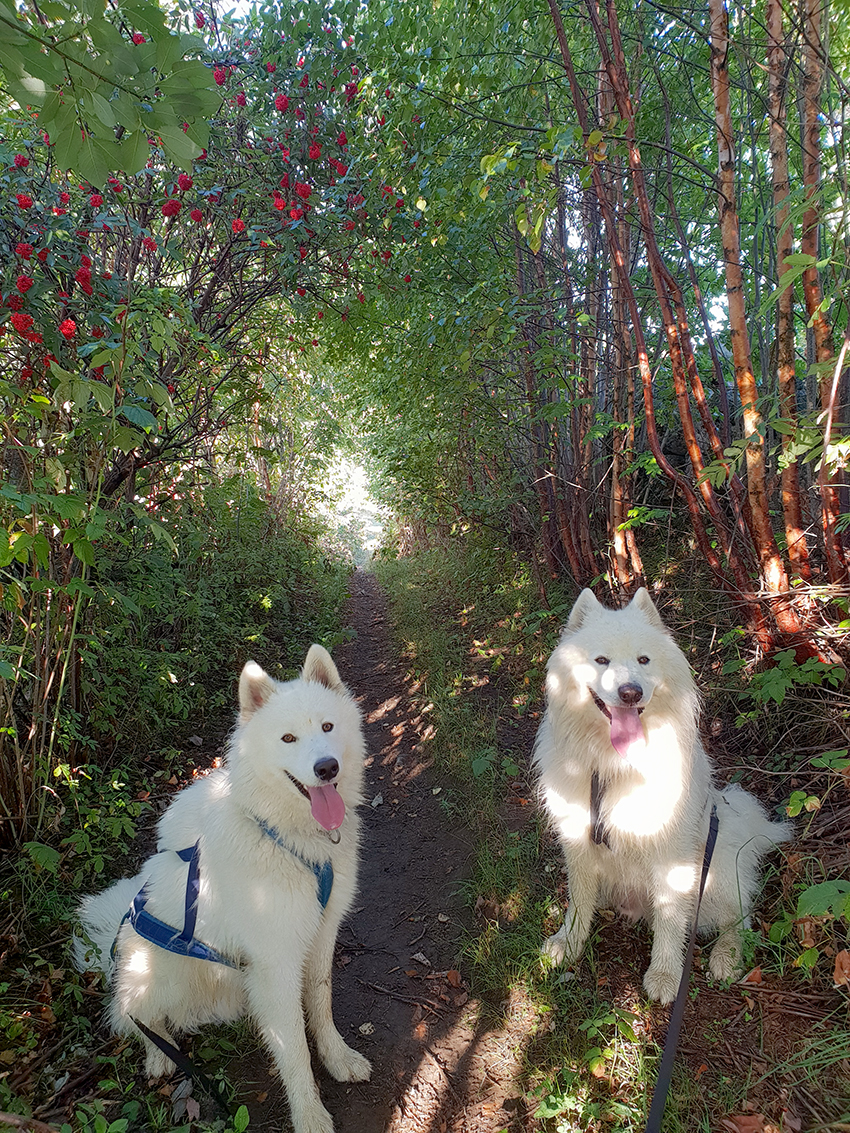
point(438, 1068)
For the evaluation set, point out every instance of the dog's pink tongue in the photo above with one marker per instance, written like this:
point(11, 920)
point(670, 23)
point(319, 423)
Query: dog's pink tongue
point(327, 806)
point(626, 730)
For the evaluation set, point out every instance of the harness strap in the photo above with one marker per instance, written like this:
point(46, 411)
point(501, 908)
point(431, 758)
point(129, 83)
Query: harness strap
point(665, 1071)
point(598, 829)
point(183, 943)
point(157, 932)
point(323, 871)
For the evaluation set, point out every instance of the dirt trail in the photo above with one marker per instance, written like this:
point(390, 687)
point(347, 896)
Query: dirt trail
point(398, 996)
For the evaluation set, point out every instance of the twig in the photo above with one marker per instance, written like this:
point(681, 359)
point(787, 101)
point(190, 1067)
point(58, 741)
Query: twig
point(426, 1003)
point(28, 1124)
point(72, 1084)
point(408, 915)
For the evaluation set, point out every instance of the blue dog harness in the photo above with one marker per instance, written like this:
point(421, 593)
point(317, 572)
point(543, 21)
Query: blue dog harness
point(324, 872)
point(183, 943)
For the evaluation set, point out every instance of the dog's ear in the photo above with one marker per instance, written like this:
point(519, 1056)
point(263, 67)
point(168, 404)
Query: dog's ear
point(585, 604)
point(319, 666)
point(255, 688)
point(648, 608)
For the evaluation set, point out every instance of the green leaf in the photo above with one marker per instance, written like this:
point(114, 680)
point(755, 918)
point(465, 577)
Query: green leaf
point(43, 857)
point(819, 900)
point(179, 146)
point(102, 109)
point(84, 551)
point(807, 959)
point(138, 416)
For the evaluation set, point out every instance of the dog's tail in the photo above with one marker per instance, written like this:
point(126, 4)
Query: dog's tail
point(764, 833)
point(100, 918)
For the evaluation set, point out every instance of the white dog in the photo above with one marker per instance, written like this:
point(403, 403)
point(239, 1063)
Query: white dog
point(256, 866)
point(629, 789)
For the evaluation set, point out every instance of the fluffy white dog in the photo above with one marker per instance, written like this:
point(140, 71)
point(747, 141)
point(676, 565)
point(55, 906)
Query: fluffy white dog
point(629, 789)
point(256, 866)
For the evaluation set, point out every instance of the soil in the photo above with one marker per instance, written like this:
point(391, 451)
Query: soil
point(399, 997)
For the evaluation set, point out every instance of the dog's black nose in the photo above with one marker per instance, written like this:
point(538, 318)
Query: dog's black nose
point(326, 769)
point(630, 693)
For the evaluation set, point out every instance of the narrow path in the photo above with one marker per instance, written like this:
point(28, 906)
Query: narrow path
point(409, 906)
point(398, 996)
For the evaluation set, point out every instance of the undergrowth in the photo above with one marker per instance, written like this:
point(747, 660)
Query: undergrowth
point(477, 634)
point(168, 627)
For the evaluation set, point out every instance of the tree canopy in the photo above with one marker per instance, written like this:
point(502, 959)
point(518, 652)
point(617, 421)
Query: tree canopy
point(554, 273)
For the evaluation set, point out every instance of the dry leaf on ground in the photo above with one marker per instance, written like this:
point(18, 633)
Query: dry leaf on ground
point(754, 976)
point(841, 976)
point(745, 1123)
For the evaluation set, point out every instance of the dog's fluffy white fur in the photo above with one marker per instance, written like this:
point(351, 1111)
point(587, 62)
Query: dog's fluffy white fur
point(621, 702)
point(258, 903)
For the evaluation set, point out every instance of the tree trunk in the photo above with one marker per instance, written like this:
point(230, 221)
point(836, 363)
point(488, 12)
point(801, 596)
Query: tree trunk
point(772, 567)
point(824, 349)
point(792, 510)
point(754, 614)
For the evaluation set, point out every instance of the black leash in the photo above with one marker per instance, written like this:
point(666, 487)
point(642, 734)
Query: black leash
point(665, 1071)
point(214, 1090)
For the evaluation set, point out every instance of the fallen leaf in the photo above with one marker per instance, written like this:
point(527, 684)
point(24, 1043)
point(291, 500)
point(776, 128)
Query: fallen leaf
point(753, 976)
point(749, 1123)
point(841, 976)
point(453, 976)
point(261, 1097)
point(193, 1109)
point(805, 927)
point(701, 1070)
point(420, 1031)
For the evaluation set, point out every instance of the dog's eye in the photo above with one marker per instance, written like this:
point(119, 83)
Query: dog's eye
point(288, 738)
point(328, 727)
point(602, 661)
point(643, 659)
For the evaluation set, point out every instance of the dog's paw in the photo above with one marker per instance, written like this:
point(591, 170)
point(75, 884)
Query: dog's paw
point(157, 1065)
point(561, 948)
point(555, 948)
point(725, 960)
point(347, 1065)
point(660, 985)
point(316, 1119)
